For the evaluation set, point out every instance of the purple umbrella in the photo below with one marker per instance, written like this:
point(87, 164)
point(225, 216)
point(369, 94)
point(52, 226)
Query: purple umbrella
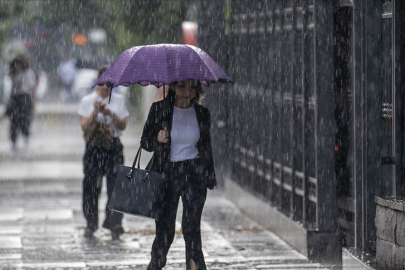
point(162, 64)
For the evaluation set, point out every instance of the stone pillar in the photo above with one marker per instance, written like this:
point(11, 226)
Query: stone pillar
point(390, 225)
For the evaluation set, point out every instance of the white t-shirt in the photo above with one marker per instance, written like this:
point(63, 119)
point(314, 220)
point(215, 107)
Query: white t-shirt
point(116, 105)
point(67, 70)
point(185, 134)
point(23, 82)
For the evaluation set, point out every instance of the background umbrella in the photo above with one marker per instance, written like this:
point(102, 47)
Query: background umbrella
point(162, 64)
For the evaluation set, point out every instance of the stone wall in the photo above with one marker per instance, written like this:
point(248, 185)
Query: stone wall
point(390, 224)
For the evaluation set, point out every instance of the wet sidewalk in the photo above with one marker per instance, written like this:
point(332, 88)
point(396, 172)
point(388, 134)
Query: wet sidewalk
point(42, 225)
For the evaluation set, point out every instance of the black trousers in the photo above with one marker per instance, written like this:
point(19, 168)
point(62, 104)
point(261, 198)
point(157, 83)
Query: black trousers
point(185, 181)
point(98, 163)
point(19, 110)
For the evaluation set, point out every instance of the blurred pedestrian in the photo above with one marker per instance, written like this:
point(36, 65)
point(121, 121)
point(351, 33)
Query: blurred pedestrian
point(102, 123)
point(177, 131)
point(22, 99)
point(67, 73)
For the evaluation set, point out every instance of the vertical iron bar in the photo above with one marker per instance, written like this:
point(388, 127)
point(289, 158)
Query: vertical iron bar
point(324, 64)
point(305, 111)
point(358, 43)
point(399, 86)
point(372, 95)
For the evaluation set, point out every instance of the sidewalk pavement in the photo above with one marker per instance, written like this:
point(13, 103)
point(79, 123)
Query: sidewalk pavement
point(42, 225)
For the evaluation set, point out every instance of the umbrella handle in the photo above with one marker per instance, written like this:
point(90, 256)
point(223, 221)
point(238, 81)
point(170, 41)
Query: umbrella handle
point(109, 99)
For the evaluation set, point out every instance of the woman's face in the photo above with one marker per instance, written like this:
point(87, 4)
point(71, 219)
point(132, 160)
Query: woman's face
point(104, 90)
point(186, 91)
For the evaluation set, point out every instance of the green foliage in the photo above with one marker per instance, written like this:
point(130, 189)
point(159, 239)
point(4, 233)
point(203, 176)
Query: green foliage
point(80, 14)
point(7, 9)
point(142, 22)
point(131, 23)
point(128, 23)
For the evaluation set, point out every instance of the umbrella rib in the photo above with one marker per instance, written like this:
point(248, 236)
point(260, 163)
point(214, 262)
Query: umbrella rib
point(127, 67)
point(110, 80)
point(208, 67)
point(167, 68)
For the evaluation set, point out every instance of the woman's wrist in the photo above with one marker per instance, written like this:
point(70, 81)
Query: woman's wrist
point(93, 116)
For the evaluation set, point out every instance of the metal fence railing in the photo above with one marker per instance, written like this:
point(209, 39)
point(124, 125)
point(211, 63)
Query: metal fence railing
point(315, 117)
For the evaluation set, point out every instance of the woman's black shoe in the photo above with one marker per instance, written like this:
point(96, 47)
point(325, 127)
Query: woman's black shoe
point(88, 233)
point(115, 235)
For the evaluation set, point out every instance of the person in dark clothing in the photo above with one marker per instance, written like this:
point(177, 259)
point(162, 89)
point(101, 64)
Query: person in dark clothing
point(177, 131)
point(102, 160)
point(22, 99)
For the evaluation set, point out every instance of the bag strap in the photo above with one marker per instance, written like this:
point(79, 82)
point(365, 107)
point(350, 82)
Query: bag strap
point(150, 163)
point(137, 158)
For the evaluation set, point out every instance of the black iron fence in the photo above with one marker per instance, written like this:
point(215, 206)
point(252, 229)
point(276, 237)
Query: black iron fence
point(314, 122)
point(276, 135)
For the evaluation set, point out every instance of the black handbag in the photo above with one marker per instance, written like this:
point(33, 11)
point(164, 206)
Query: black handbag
point(138, 192)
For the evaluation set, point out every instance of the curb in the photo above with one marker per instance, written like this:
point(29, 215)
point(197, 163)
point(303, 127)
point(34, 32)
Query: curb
point(57, 109)
point(52, 109)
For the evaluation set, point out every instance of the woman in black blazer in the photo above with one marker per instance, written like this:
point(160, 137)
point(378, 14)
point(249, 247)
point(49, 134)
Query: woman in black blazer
point(177, 131)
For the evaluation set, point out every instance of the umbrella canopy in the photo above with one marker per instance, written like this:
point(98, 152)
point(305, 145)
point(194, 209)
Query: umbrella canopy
point(162, 64)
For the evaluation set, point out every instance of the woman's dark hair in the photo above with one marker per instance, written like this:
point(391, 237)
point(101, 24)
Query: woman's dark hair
point(101, 71)
point(13, 65)
point(26, 62)
point(199, 95)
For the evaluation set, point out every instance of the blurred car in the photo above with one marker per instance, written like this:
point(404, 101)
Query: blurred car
point(42, 85)
point(83, 82)
point(85, 79)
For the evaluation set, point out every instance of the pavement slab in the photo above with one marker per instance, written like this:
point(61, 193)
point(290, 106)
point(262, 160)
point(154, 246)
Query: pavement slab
point(34, 238)
point(42, 225)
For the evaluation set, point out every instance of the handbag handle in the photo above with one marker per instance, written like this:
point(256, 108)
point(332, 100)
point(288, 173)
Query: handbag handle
point(138, 158)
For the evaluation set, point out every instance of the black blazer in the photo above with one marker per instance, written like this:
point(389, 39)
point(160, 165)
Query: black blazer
point(161, 116)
